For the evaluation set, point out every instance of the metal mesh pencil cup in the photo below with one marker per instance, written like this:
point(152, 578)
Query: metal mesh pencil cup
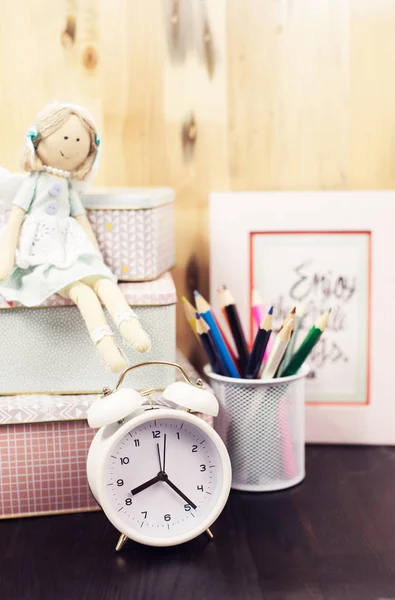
point(262, 423)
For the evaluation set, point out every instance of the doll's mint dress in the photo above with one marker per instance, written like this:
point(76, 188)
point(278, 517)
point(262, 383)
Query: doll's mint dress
point(53, 249)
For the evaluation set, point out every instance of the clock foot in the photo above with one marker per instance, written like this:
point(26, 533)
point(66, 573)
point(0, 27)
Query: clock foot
point(121, 542)
point(209, 533)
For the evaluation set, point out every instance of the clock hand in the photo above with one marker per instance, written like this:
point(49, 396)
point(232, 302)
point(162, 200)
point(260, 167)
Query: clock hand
point(164, 454)
point(146, 485)
point(164, 476)
point(161, 476)
point(160, 462)
point(179, 492)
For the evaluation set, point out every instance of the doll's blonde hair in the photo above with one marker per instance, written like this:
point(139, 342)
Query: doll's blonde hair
point(49, 120)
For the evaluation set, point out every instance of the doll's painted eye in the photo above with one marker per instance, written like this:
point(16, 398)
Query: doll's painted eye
point(78, 139)
point(66, 137)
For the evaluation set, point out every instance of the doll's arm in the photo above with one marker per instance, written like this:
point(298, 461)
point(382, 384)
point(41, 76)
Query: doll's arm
point(9, 241)
point(87, 227)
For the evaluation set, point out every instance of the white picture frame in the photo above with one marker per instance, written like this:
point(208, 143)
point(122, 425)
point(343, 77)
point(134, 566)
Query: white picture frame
point(345, 234)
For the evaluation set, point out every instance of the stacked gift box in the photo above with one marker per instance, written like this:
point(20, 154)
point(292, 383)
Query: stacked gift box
point(44, 442)
point(50, 371)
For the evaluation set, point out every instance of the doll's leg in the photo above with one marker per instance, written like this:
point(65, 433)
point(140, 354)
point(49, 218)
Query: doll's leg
point(93, 315)
point(121, 313)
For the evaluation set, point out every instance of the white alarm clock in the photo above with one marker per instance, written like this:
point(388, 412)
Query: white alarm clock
point(161, 475)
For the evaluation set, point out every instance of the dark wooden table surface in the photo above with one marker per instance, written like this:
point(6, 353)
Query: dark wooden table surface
point(330, 538)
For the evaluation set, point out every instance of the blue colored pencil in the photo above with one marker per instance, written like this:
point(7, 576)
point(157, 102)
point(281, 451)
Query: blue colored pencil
point(203, 307)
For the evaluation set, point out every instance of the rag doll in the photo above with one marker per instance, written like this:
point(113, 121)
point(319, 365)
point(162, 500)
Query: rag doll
point(48, 245)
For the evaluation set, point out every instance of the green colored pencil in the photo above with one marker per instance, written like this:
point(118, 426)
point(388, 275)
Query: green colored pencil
point(307, 345)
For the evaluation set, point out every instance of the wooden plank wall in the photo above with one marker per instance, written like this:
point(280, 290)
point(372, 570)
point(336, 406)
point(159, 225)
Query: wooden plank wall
point(206, 94)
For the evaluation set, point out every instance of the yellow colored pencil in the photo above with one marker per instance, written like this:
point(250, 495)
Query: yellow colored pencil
point(190, 313)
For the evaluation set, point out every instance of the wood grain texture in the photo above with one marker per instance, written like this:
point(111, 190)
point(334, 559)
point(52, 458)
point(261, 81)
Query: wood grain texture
point(330, 538)
point(289, 122)
point(199, 95)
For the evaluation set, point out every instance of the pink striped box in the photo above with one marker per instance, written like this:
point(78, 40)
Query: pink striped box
point(44, 442)
point(43, 469)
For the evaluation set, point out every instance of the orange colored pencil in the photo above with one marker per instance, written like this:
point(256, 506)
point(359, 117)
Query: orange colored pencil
point(290, 315)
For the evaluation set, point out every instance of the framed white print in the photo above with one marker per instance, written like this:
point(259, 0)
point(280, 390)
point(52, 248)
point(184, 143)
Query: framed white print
point(318, 250)
point(314, 271)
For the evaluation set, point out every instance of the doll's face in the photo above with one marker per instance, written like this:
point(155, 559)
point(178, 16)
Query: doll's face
point(67, 148)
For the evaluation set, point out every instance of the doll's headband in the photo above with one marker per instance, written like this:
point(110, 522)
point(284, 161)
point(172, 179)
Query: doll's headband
point(32, 132)
point(31, 135)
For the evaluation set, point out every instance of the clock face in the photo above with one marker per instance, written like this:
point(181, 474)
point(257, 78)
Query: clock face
point(164, 479)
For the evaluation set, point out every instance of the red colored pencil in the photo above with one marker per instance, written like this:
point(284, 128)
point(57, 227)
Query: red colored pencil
point(236, 329)
point(227, 344)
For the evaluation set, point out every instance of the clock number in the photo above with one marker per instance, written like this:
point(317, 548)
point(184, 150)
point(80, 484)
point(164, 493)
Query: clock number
point(124, 461)
point(202, 467)
point(137, 443)
point(200, 488)
point(178, 435)
point(128, 501)
point(167, 518)
point(194, 448)
point(119, 482)
point(156, 434)
point(144, 512)
point(187, 507)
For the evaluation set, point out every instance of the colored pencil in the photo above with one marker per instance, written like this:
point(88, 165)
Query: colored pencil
point(258, 312)
point(268, 347)
point(289, 316)
point(290, 464)
point(289, 321)
point(225, 335)
point(257, 307)
point(190, 315)
point(204, 308)
point(279, 346)
point(292, 343)
point(222, 305)
point(227, 343)
point(215, 360)
point(235, 358)
point(307, 345)
point(236, 329)
point(259, 347)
